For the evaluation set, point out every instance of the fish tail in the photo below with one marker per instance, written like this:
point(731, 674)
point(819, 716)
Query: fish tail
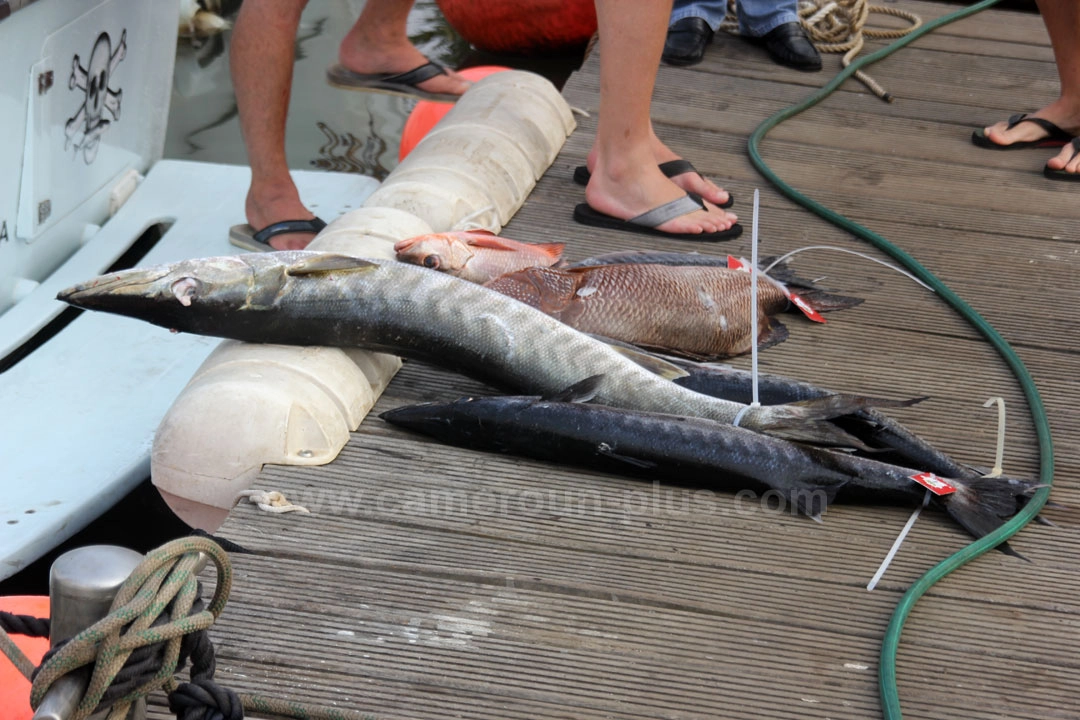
point(827, 302)
point(808, 420)
point(982, 505)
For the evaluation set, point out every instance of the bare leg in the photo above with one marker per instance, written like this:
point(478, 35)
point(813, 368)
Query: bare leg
point(261, 60)
point(261, 57)
point(691, 182)
point(379, 43)
point(1062, 18)
point(626, 180)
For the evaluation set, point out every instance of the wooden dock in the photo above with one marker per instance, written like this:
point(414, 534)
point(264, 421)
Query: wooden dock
point(434, 582)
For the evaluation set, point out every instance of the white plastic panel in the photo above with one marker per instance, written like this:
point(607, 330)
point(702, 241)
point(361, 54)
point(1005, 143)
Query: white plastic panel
point(103, 114)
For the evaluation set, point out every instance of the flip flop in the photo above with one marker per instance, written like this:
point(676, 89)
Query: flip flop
point(1055, 136)
point(246, 237)
point(1064, 174)
point(647, 222)
point(671, 169)
point(393, 84)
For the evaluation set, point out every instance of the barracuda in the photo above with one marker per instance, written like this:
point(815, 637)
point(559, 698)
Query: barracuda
point(716, 455)
point(310, 298)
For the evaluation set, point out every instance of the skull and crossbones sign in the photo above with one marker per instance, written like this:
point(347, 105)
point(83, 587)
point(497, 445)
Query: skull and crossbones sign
point(94, 81)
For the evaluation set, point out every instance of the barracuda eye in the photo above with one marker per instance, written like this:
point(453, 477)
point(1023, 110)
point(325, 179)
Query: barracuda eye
point(432, 261)
point(185, 290)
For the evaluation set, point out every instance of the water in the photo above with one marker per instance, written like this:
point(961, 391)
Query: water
point(328, 129)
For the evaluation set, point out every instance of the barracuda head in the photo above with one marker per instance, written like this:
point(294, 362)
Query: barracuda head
point(203, 295)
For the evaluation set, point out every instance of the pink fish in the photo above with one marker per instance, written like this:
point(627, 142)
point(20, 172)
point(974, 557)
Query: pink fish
point(476, 256)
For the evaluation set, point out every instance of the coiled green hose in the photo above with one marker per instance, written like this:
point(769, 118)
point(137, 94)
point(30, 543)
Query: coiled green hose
point(890, 701)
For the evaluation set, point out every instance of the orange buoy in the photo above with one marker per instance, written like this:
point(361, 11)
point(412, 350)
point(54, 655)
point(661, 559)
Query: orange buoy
point(526, 27)
point(14, 688)
point(428, 112)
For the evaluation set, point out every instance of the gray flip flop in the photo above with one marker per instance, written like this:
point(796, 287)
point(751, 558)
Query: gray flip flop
point(647, 222)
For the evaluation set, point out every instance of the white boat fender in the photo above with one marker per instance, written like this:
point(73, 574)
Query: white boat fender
point(250, 405)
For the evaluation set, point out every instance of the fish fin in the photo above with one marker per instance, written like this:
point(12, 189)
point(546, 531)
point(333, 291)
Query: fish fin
point(328, 262)
point(813, 500)
point(580, 392)
point(806, 420)
point(816, 432)
point(605, 450)
point(652, 363)
point(1045, 521)
point(830, 406)
point(772, 332)
point(494, 242)
point(982, 505)
point(826, 302)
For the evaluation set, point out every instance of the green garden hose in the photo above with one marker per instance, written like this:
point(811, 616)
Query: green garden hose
point(890, 700)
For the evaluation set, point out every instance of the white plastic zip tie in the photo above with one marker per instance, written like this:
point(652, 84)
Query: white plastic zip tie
point(898, 542)
point(753, 303)
point(782, 258)
point(269, 501)
point(739, 415)
point(1000, 455)
point(580, 111)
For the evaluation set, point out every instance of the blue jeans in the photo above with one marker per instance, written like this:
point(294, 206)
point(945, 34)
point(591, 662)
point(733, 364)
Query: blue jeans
point(756, 17)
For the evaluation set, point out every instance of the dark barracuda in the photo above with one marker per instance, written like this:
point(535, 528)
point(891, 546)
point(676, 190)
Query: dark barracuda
point(310, 298)
point(696, 450)
point(878, 431)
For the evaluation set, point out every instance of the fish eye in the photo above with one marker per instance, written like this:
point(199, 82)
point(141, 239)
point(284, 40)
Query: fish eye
point(185, 290)
point(432, 261)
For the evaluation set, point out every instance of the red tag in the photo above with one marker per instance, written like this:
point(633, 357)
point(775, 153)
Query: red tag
point(734, 263)
point(803, 305)
point(933, 483)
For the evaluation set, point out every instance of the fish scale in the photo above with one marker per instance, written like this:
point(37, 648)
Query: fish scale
point(310, 298)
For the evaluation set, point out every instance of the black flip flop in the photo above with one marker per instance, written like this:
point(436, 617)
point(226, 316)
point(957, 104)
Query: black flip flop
point(671, 169)
point(246, 237)
point(393, 84)
point(647, 222)
point(1055, 136)
point(1064, 174)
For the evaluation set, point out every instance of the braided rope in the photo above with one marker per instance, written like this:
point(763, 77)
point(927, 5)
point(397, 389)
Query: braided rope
point(157, 622)
point(163, 581)
point(835, 26)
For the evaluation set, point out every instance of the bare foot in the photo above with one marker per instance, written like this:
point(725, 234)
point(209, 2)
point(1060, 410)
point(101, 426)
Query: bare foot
point(1060, 113)
point(1068, 160)
point(397, 57)
point(265, 208)
point(690, 182)
point(625, 190)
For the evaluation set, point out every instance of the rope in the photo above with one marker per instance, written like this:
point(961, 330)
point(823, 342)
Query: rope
point(890, 700)
point(157, 623)
point(840, 26)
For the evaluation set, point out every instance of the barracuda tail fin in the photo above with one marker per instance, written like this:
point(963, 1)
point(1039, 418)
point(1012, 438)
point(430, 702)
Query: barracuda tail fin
point(982, 505)
point(808, 420)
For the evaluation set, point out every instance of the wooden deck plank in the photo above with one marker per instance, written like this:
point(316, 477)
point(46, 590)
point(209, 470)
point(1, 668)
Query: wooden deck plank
point(430, 581)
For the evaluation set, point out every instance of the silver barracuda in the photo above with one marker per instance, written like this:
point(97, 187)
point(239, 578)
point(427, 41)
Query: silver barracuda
point(310, 298)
